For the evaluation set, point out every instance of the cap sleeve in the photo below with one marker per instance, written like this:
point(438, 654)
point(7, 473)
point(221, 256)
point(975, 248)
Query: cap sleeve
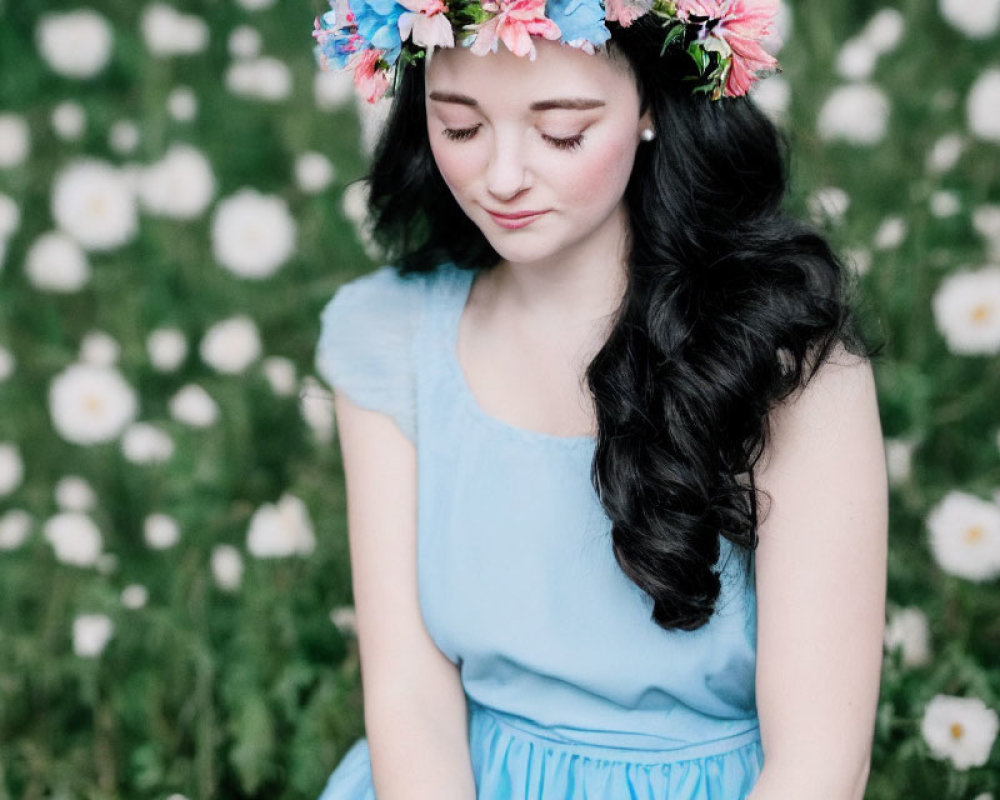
point(365, 345)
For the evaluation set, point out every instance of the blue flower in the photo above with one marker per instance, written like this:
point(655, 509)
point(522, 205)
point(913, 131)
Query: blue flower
point(336, 36)
point(333, 46)
point(579, 20)
point(378, 23)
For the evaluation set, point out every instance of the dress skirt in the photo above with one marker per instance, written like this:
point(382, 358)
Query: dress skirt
point(514, 760)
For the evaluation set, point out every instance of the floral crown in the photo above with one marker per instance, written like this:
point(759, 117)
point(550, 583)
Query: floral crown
point(374, 37)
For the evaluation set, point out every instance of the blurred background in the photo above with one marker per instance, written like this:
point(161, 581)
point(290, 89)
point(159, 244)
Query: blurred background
point(179, 198)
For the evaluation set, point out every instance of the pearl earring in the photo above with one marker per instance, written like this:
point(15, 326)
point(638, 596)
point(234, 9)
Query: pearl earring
point(647, 135)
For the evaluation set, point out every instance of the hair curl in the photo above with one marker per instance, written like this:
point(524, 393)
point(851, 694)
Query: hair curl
point(730, 305)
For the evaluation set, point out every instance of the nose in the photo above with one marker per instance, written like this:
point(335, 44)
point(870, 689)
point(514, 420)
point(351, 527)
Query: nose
point(507, 175)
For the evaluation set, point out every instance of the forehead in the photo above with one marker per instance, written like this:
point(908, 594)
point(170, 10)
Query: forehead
point(502, 79)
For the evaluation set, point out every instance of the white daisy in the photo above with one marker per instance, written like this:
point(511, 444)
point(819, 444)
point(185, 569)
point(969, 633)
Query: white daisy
point(256, 5)
point(227, 567)
point(75, 44)
point(244, 42)
point(193, 406)
point(945, 153)
point(884, 31)
point(986, 221)
point(56, 263)
point(263, 78)
point(182, 104)
point(124, 137)
point(828, 204)
point(899, 460)
point(282, 529)
point(93, 203)
point(69, 121)
point(167, 348)
point(945, 203)
point(15, 140)
point(134, 596)
point(91, 634)
point(859, 259)
point(231, 345)
point(333, 89)
point(280, 373)
point(373, 120)
point(982, 109)
point(316, 407)
point(773, 96)
point(144, 443)
point(91, 404)
point(100, 348)
point(15, 526)
point(74, 537)
point(313, 172)
point(73, 493)
point(965, 536)
point(856, 59)
point(7, 364)
point(890, 234)
point(960, 729)
point(977, 19)
point(966, 309)
point(856, 113)
point(345, 620)
point(354, 202)
point(907, 630)
point(161, 531)
point(253, 234)
point(11, 468)
point(168, 32)
point(180, 185)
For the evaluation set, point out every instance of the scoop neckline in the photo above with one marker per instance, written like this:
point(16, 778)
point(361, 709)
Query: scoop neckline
point(461, 297)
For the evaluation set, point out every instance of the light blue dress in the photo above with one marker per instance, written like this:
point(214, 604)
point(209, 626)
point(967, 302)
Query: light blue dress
point(573, 691)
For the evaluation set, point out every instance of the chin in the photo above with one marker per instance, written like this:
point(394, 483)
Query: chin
point(524, 253)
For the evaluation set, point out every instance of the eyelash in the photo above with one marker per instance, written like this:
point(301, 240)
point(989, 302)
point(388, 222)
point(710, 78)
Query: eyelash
point(464, 134)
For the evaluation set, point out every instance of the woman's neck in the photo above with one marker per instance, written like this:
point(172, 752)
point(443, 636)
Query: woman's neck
point(569, 292)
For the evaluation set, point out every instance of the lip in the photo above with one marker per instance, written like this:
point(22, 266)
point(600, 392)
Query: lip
point(515, 219)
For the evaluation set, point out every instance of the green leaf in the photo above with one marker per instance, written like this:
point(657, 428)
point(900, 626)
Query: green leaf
point(253, 749)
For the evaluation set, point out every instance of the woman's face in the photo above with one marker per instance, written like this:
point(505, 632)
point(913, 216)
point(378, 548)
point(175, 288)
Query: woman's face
point(537, 153)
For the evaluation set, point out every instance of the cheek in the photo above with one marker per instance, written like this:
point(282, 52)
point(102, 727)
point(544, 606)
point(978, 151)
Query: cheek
point(456, 165)
point(603, 172)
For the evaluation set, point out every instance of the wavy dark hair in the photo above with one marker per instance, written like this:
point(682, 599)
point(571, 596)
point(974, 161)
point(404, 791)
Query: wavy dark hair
point(731, 304)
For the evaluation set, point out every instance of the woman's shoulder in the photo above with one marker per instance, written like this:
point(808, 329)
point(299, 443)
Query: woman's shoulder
point(388, 290)
point(367, 334)
point(379, 304)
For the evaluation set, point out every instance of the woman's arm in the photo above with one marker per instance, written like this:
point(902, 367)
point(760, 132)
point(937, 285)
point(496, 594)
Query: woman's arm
point(821, 579)
point(414, 704)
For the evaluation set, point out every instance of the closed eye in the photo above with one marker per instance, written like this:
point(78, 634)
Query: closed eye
point(460, 134)
point(560, 143)
point(567, 143)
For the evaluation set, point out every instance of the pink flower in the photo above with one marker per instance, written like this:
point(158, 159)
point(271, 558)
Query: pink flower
point(740, 24)
point(426, 23)
point(370, 75)
point(625, 12)
point(516, 21)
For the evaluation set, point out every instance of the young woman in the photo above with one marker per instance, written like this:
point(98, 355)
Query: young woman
point(616, 490)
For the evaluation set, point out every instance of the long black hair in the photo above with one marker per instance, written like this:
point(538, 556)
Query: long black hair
point(731, 304)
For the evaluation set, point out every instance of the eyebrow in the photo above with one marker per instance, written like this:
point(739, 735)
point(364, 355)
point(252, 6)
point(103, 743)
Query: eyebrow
point(572, 103)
